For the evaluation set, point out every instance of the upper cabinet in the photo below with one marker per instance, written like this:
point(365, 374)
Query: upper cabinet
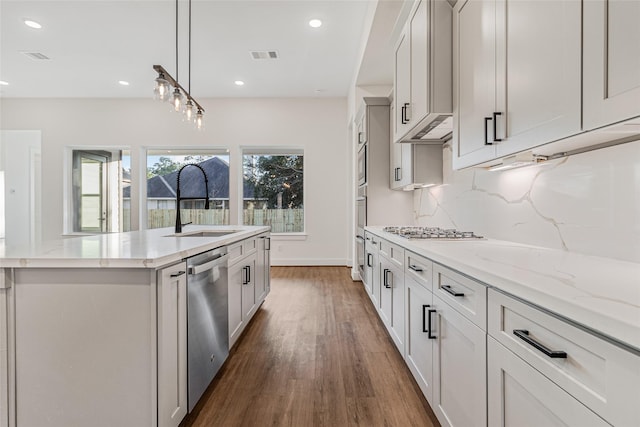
point(518, 83)
point(611, 62)
point(422, 75)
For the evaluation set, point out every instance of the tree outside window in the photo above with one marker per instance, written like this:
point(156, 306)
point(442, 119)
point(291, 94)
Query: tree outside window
point(274, 191)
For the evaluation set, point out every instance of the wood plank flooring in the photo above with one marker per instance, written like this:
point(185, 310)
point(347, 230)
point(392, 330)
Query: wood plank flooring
point(315, 354)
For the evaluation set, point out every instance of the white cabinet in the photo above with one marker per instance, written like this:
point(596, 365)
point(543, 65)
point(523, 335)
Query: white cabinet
point(263, 267)
point(172, 345)
point(459, 368)
point(518, 83)
point(243, 301)
point(611, 61)
point(4, 353)
point(371, 268)
point(392, 291)
point(414, 166)
point(521, 396)
point(418, 345)
point(589, 370)
point(422, 73)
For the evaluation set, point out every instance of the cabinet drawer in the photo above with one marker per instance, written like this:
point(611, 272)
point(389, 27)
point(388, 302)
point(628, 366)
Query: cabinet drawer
point(419, 268)
point(392, 252)
point(250, 246)
point(602, 376)
point(464, 294)
point(236, 252)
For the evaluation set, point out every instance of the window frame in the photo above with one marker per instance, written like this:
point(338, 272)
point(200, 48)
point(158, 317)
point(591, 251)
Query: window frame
point(274, 151)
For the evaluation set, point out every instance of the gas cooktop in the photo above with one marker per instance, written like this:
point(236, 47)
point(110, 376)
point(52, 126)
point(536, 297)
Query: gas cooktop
point(432, 233)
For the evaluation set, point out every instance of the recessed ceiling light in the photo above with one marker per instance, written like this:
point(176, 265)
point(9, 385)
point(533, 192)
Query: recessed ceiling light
point(239, 83)
point(3, 83)
point(123, 83)
point(32, 24)
point(315, 23)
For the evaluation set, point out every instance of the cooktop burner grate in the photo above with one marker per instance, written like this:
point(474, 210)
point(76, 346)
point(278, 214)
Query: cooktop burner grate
point(434, 233)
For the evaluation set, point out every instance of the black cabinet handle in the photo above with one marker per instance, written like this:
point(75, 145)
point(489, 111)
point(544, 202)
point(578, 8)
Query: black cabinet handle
point(385, 280)
point(245, 275)
point(399, 174)
point(248, 274)
point(450, 291)
point(495, 126)
point(360, 137)
point(424, 318)
point(369, 262)
point(430, 335)
point(486, 131)
point(415, 268)
point(523, 334)
point(178, 274)
point(403, 113)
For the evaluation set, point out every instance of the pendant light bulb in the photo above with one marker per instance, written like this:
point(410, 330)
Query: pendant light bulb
point(189, 111)
point(199, 120)
point(162, 90)
point(176, 100)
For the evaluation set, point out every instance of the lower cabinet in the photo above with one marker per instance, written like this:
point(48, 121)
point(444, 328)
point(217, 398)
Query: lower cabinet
point(519, 395)
point(263, 267)
point(419, 339)
point(172, 344)
point(392, 300)
point(243, 293)
point(372, 268)
point(4, 354)
point(459, 368)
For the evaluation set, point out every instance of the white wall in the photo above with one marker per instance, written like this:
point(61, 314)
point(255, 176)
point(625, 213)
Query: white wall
point(20, 162)
point(318, 125)
point(588, 203)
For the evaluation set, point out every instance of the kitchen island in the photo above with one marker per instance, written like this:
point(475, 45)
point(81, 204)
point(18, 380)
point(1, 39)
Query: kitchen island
point(93, 328)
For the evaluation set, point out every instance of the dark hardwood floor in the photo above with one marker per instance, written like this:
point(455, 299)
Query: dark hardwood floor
point(315, 354)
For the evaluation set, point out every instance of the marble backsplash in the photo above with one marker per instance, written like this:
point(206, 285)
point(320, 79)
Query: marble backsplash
point(588, 203)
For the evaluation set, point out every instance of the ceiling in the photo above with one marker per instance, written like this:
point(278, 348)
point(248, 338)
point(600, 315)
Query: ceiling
point(93, 44)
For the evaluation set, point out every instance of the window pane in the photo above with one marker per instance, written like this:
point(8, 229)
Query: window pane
point(162, 173)
point(273, 192)
point(90, 213)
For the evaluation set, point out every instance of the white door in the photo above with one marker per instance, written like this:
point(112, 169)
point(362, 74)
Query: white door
point(475, 69)
point(538, 73)
point(249, 287)
point(611, 61)
point(520, 396)
point(396, 324)
point(402, 86)
point(418, 346)
point(236, 275)
point(172, 345)
point(386, 302)
point(459, 369)
point(4, 355)
point(419, 64)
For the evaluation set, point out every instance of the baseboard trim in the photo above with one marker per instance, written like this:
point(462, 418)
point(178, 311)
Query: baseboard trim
point(297, 262)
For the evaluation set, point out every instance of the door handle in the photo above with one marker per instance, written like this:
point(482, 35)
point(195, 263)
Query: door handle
point(495, 126)
point(486, 131)
point(424, 317)
point(430, 326)
point(369, 262)
point(405, 114)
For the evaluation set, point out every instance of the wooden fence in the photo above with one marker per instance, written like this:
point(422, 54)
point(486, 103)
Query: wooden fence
point(280, 220)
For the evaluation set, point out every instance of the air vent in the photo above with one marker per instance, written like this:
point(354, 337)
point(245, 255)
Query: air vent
point(264, 54)
point(36, 56)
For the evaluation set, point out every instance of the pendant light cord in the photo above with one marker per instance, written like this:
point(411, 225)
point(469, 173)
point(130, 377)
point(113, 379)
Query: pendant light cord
point(177, 74)
point(189, 46)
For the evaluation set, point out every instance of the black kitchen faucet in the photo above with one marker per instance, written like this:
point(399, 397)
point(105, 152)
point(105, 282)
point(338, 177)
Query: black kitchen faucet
point(179, 223)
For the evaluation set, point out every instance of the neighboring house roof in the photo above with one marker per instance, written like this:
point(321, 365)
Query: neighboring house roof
point(192, 184)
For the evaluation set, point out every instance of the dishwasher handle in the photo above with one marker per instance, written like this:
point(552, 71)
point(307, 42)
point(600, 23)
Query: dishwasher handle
point(200, 268)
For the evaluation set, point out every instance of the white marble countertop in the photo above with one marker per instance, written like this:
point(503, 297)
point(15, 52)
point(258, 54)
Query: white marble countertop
point(134, 249)
point(601, 294)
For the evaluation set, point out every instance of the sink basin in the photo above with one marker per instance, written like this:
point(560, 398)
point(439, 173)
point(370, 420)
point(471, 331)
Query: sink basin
point(204, 233)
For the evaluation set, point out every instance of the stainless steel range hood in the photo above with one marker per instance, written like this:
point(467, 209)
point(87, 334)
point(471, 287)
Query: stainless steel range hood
point(434, 129)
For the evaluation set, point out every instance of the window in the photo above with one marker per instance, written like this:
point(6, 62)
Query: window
point(274, 189)
point(162, 173)
point(100, 181)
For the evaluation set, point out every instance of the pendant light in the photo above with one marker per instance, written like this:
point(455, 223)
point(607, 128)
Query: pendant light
point(191, 109)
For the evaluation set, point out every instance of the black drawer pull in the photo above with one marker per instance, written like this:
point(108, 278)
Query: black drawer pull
point(178, 274)
point(523, 334)
point(430, 335)
point(369, 262)
point(415, 268)
point(448, 290)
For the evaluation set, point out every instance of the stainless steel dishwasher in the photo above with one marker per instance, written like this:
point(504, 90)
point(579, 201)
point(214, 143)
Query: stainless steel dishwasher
point(207, 320)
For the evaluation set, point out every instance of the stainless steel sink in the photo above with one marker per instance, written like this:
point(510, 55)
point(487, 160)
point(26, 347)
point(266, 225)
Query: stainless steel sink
point(204, 233)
